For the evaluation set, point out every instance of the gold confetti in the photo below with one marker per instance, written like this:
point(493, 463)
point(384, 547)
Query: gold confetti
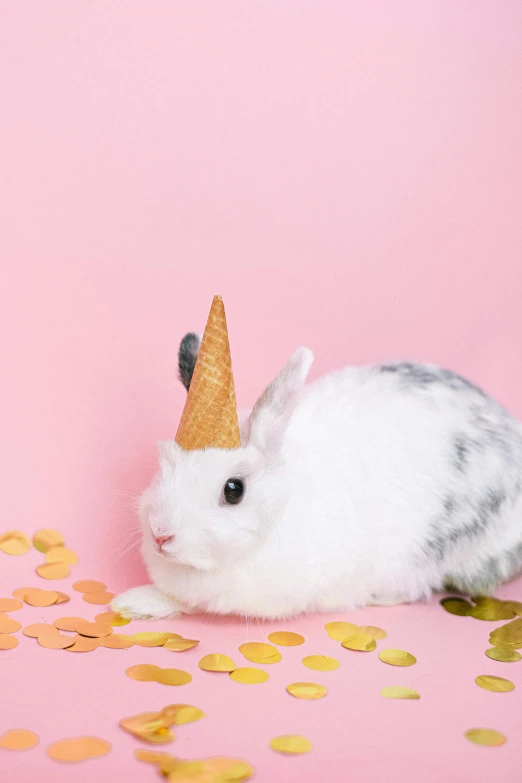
point(21, 591)
point(178, 714)
point(39, 629)
point(248, 675)
point(217, 769)
point(8, 642)
point(511, 632)
point(149, 727)
point(306, 690)
point(216, 662)
point(89, 586)
point(46, 539)
point(55, 641)
point(339, 630)
point(152, 756)
point(517, 606)
point(10, 604)
point(62, 597)
point(291, 743)
point(14, 542)
point(180, 645)
point(373, 630)
point(361, 641)
point(321, 663)
point(258, 650)
point(93, 629)
point(152, 638)
point(458, 606)
point(78, 749)
point(286, 638)
point(173, 677)
point(61, 554)
point(117, 641)
point(397, 692)
point(494, 684)
point(111, 618)
point(397, 658)
point(7, 625)
point(68, 623)
point(53, 570)
point(489, 737)
point(41, 598)
point(503, 654)
point(83, 644)
point(492, 611)
point(100, 599)
point(144, 672)
point(19, 739)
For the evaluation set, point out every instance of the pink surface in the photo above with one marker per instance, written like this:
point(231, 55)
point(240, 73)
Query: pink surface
point(348, 176)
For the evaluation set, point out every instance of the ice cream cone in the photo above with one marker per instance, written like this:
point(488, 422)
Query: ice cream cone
point(209, 418)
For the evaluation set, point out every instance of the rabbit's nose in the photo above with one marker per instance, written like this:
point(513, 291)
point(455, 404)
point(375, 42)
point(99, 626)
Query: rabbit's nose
point(162, 540)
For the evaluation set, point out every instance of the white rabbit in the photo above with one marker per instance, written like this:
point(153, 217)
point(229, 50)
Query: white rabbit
point(373, 485)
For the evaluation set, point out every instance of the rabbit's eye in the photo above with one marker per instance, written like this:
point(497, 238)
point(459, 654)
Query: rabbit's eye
point(233, 490)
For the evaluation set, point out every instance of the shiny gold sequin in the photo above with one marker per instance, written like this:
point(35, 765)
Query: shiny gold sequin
point(62, 597)
point(291, 744)
point(503, 654)
point(93, 629)
point(53, 570)
point(39, 629)
point(178, 714)
point(173, 677)
point(151, 756)
point(55, 641)
point(493, 610)
point(116, 641)
point(47, 538)
point(216, 662)
point(397, 658)
point(111, 618)
point(258, 650)
point(10, 604)
point(373, 630)
point(398, 692)
point(180, 645)
point(20, 592)
point(495, 684)
point(306, 690)
point(511, 633)
point(14, 542)
point(61, 554)
point(89, 586)
point(286, 638)
point(458, 606)
point(68, 623)
point(41, 598)
point(321, 663)
point(7, 625)
point(99, 599)
point(83, 644)
point(8, 642)
point(152, 638)
point(340, 630)
point(360, 641)
point(78, 749)
point(18, 739)
point(489, 737)
point(249, 675)
point(148, 727)
point(144, 672)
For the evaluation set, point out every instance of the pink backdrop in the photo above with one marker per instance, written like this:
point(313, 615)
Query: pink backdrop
point(347, 175)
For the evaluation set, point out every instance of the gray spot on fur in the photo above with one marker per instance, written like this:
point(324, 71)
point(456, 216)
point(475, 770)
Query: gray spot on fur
point(187, 356)
point(420, 376)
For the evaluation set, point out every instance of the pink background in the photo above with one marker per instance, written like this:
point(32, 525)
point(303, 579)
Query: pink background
point(346, 175)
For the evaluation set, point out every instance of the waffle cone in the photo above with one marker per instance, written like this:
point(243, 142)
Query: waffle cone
point(209, 418)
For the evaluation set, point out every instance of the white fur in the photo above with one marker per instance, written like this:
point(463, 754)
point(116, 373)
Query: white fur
point(345, 480)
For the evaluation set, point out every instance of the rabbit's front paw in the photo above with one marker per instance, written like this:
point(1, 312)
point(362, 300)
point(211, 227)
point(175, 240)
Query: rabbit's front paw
point(145, 603)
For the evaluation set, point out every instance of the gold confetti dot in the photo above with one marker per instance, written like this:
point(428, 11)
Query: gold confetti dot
point(218, 769)
point(7, 625)
point(306, 690)
point(42, 598)
point(457, 606)
point(373, 630)
point(248, 675)
point(18, 739)
point(173, 677)
point(286, 638)
point(152, 756)
point(360, 641)
point(152, 638)
point(14, 542)
point(144, 672)
point(53, 570)
point(291, 743)
point(511, 633)
point(340, 630)
point(258, 650)
point(149, 727)
point(117, 641)
point(55, 641)
point(78, 749)
point(503, 654)
point(8, 642)
point(21, 591)
point(89, 586)
point(61, 554)
point(111, 618)
point(216, 662)
point(493, 611)
point(10, 604)
point(39, 629)
point(68, 623)
point(321, 663)
point(397, 658)
point(83, 644)
point(93, 629)
point(47, 538)
point(489, 737)
point(494, 684)
point(177, 714)
point(62, 597)
point(100, 599)
point(397, 692)
point(180, 645)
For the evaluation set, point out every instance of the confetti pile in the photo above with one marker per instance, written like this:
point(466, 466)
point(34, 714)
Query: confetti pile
point(71, 633)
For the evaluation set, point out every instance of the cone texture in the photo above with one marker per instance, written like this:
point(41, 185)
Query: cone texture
point(209, 418)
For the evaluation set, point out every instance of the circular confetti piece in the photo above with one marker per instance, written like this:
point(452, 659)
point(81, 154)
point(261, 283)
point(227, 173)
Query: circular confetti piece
point(18, 739)
point(494, 684)
point(100, 599)
point(373, 630)
point(503, 654)
point(149, 727)
point(89, 586)
point(397, 692)
point(248, 675)
point(78, 749)
point(173, 677)
point(83, 644)
point(10, 604)
point(55, 641)
point(93, 629)
point(144, 672)
point(360, 641)
point(218, 768)
point(14, 542)
point(117, 641)
point(306, 690)
point(397, 658)
point(340, 630)
point(152, 638)
point(111, 618)
point(7, 625)
point(511, 632)
point(39, 629)
point(152, 756)
point(216, 662)
point(68, 623)
point(177, 714)
point(8, 642)
point(489, 737)
point(273, 659)
point(291, 743)
point(62, 597)
point(286, 638)
point(21, 591)
point(47, 538)
point(180, 645)
point(61, 554)
point(258, 650)
point(493, 611)
point(458, 606)
point(41, 598)
point(53, 570)
point(321, 663)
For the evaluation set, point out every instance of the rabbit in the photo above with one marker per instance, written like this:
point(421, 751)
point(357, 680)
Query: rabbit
point(374, 485)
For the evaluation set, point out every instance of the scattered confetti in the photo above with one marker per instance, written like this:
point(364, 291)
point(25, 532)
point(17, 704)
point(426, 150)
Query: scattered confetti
point(495, 684)
point(55, 641)
point(339, 630)
point(496, 610)
point(372, 630)
point(41, 598)
point(7, 625)
point(153, 638)
point(83, 644)
point(21, 591)
point(458, 606)
point(248, 675)
point(144, 672)
point(8, 642)
point(397, 658)
point(10, 604)
point(321, 663)
point(93, 629)
point(46, 539)
point(260, 652)
point(286, 638)
point(100, 599)
point(111, 618)
point(78, 749)
point(19, 739)
point(503, 654)
point(306, 690)
point(14, 542)
point(116, 641)
point(67, 623)
point(61, 554)
point(150, 727)
point(216, 662)
point(360, 641)
point(89, 586)
point(39, 629)
point(489, 737)
point(173, 677)
point(291, 744)
point(151, 756)
point(178, 714)
point(180, 645)
point(397, 692)
point(62, 597)
point(510, 633)
point(53, 570)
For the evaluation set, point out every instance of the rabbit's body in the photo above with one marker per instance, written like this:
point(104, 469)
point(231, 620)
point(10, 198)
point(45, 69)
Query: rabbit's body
point(374, 485)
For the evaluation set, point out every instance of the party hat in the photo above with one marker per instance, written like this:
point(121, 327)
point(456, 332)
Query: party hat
point(209, 418)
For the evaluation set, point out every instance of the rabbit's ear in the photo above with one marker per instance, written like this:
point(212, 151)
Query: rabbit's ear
point(271, 414)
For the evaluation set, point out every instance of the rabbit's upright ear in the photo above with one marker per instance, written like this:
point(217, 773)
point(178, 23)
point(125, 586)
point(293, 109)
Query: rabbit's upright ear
point(271, 414)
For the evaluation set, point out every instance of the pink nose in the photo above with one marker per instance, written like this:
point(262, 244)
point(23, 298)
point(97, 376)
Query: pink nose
point(162, 540)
